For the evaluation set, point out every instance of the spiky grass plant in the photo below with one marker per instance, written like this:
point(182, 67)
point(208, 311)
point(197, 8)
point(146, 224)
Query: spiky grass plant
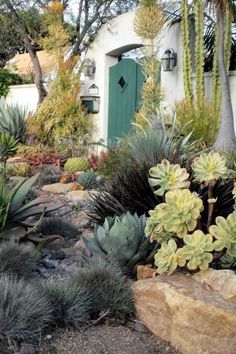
point(70, 302)
point(24, 312)
point(17, 259)
point(58, 226)
point(110, 291)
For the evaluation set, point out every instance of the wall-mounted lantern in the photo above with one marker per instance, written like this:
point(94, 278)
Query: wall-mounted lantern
point(169, 60)
point(92, 103)
point(89, 68)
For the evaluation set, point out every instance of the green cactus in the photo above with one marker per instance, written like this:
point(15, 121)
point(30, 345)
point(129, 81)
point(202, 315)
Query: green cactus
point(210, 167)
point(197, 250)
point(88, 180)
point(168, 177)
point(76, 164)
point(179, 214)
point(168, 258)
point(123, 239)
point(225, 233)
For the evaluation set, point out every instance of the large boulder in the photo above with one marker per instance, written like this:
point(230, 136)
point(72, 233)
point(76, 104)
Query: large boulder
point(57, 188)
point(194, 318)
point(223, 281)
point(76, 196)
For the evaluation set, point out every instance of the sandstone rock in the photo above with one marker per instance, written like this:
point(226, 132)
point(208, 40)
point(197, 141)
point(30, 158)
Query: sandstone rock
point(82, 220)
point(180, 310)
point(222, 281)
point(144, 272)
point(57, 188)
point(76, 196)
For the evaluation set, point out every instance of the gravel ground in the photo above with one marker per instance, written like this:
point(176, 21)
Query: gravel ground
point(105, 339)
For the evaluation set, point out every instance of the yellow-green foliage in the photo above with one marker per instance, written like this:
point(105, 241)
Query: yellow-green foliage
point(210, 167)
point(179, 214)
point(199, 51)
point(225, 233)
point(201, 121)
point(22, 169)
point(61, 115)
point(168, 258)
point(149, 22)
point(168, 177)
point(76, 164)
point(197, 250)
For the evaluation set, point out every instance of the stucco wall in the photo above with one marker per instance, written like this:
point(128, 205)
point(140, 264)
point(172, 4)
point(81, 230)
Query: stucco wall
point(24, 95)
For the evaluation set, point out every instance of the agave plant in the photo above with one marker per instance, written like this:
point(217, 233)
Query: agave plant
point(8, 148)
point(209, 168)
point(88, 180)
point(13, 210)
point(13, 120)
point(168, 177)
point(123, 239)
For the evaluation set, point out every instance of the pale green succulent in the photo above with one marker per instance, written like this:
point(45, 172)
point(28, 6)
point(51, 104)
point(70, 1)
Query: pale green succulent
point(168, 258)
point(168, 177)
point(210, 167)
point(197, 250)
point(225, 233)
point(179, 214)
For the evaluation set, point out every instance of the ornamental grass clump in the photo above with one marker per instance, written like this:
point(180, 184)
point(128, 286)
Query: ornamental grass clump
point(187, 236)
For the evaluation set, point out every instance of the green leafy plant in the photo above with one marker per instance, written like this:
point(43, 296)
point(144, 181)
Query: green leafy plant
point(8, 147)
point(22, 169)
point(88, 180)
point(7, 79)
point(168, 177)
point(18, 260)
point(13, 120)
point(76, 164)
point(168, 258)
point(24, 312)
point(122, 239)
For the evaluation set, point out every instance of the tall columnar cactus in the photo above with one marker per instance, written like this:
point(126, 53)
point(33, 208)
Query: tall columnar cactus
point(199, 52)
point(187, 60)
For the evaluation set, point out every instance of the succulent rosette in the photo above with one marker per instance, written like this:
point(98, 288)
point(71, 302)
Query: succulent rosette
point(197, 250)
point(168, 258)
point(225, 233)
point(168, 177)
point(179, 214)
point(210, 167)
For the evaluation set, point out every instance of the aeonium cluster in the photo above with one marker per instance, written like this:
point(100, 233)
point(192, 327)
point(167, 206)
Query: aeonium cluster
point(176, 223)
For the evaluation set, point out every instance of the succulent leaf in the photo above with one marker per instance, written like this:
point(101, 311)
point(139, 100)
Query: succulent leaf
point(210, 167)
point(76, 164)
point(168, 258)
point(168, 177)
point(178, 215)
point(228, 261)
point(225, 233)
point(196, 251)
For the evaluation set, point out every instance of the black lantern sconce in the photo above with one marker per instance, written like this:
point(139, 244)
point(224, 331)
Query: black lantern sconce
point(89, 68)
point(169, 60)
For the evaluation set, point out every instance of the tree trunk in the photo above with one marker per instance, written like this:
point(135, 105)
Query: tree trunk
point(226, 139)
point(38, 78)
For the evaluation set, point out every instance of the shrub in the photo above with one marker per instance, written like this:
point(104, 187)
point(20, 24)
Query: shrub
point(23, 169)
point(70, 302)
point(24, 312)
point(7, 79)
point(57, 226)
point(109, 290)
point(200, 121)
point(17, 260)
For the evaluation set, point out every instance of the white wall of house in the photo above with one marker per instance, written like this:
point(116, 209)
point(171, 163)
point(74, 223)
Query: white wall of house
point(113, 39)
point(24, 95)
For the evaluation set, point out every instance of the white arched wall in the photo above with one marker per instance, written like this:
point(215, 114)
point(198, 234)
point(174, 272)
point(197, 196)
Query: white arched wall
point(115, 38)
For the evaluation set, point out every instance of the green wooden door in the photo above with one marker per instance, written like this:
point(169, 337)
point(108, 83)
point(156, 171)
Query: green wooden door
point(125, 83)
